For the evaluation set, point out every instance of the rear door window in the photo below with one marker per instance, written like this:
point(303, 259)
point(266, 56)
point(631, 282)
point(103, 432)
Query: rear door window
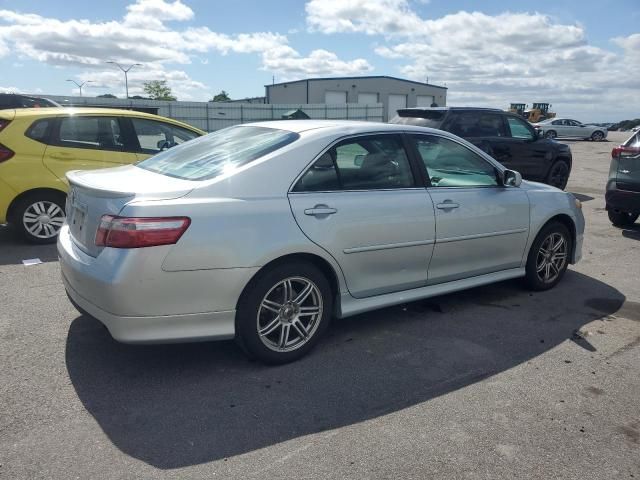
point(99, 133)
point(476, 124)
point(154, 136)
point(371, 162)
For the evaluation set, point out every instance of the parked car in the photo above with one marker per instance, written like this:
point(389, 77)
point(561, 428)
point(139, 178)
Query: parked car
point(567, 128)
point(39, 146)
point(505, 136)
point(264, 231)
point(623, 187)
point(14, 100)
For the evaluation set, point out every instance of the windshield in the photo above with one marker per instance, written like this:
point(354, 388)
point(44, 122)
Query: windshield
point(420, 118)
point(219, 152)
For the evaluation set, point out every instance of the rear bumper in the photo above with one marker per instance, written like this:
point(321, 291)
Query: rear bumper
point(6, 197)
point(138, 302)
point(159, 329)
point(623, 200)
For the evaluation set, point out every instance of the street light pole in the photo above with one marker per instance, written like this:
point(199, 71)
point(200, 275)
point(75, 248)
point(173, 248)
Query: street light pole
point(80, 85)
point(126, 70)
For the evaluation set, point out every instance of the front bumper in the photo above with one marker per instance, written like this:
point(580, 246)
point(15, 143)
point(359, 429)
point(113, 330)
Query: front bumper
point(138, 302)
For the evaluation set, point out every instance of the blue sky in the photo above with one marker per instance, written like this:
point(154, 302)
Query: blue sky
point(582, 56)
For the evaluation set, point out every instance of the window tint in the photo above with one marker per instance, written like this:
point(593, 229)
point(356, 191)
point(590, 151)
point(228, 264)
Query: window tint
point(519, 129)
point(39, 130)
point(365, 163)
point(450, 164)
point(477, 124)
point(155, 136)
point(219, 152)
point(557, 122)
point(101, 133)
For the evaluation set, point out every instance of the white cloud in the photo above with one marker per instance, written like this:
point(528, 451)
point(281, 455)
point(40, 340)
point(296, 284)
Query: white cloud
point(143, 36)
point(493, 60)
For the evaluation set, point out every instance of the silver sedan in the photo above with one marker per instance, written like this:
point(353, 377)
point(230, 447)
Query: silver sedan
point(568, 128)
point(264, 232)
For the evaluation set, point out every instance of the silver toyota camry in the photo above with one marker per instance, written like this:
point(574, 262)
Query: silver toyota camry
point(264, 232)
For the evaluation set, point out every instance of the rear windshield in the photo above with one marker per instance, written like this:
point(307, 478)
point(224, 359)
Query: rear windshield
point(217, 153)
point(420, 118)
point(634, 141)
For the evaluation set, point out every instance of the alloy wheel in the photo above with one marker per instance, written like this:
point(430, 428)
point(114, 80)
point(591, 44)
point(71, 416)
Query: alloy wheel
point(551, 134)
point(597, 136)
point(289, 314)
point(43, 219)
point(552, 257)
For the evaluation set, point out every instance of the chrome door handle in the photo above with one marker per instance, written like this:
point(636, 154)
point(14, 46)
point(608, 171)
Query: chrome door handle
point(447, 205)
point(319, 210)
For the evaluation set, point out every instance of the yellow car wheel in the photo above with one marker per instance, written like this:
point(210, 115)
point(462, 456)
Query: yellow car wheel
point(39, 216)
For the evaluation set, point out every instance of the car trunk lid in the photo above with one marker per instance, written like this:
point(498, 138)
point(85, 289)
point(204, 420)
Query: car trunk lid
point(95, 193)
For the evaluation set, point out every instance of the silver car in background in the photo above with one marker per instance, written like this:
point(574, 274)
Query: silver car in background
point(265, 231)
point(567, 128)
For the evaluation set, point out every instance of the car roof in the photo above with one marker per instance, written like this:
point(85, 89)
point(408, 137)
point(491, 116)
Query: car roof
point(61, 111)
point(444, 109)
point(348, 127)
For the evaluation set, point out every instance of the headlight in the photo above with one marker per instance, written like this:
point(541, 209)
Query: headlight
point(578, 203)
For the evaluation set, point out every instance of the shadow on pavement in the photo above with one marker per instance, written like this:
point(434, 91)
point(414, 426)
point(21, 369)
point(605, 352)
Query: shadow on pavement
point(178, 405)
point(14, 249)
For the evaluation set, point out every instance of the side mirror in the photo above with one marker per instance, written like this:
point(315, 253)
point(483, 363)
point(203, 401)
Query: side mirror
point(511, 178)
point(358, 160)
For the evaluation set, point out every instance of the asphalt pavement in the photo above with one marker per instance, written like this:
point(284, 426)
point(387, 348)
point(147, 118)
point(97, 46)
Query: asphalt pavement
point(494, 382)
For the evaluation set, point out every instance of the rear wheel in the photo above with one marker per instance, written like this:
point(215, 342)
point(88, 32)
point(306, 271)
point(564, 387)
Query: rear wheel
point(283, 313)
point(40, 216)
point(622, 219)
point(597, 136)
point(558, 174)
point(549, 257)
point(551, 134)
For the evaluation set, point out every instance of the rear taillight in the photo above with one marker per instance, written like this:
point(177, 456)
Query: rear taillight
point(623, 151)
point(5, 153)
point(138, 232)
point(4, 123)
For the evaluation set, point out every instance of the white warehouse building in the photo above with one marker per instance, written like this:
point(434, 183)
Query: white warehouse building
point(393, 93)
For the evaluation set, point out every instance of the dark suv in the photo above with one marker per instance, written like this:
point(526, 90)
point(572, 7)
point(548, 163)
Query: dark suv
point(623, 187)
point(505, 136)
point(15, 100)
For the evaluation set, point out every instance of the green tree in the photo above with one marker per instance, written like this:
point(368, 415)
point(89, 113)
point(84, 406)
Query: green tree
point(107, 95)
point(158, 90)
point(221, 97)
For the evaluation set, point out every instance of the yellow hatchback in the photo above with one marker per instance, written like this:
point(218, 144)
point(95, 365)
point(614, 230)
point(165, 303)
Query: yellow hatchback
point(39, 146)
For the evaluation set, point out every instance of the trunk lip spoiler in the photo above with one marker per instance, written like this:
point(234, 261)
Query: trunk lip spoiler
point(75, 181)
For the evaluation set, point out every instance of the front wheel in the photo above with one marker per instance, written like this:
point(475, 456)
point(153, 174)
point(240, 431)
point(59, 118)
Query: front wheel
point(597, 136)
point(558, 174)
point(549, 257)
point(40, 216)
point(622, 219)
point(283, 313)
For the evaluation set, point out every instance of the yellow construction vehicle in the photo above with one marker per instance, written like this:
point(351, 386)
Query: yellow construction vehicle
point(518, 108)
point(539, 112)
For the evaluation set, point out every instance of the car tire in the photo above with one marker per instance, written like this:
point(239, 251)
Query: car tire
point(622, 219)
point(597, 136)
point(558, 175)
point(283, 313)
point(551, 134)
point(39, 216)
point(548, 257)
